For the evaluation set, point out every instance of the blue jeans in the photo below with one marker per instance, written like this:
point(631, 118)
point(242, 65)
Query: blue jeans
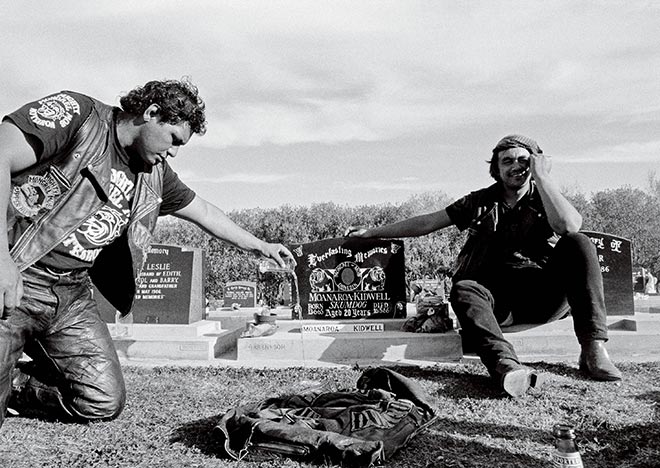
point(74, 373)
point(570, 281)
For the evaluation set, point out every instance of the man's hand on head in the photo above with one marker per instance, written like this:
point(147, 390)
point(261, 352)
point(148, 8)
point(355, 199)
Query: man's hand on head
point(540, 165)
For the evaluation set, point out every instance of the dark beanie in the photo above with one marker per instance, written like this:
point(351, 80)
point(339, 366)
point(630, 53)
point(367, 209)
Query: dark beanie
point(517, 141)
point(511, 141)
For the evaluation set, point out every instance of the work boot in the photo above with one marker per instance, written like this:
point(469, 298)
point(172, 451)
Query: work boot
point(516, 379)
point(18, 382)
point(595, 362)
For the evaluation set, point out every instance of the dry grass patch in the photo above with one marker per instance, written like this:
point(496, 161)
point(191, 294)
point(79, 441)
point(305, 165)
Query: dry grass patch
point(170, 413)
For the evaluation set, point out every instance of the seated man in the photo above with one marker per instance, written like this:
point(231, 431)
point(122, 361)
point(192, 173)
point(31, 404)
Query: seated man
point(523, 262)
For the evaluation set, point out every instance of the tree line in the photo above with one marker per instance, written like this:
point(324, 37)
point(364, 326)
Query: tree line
point(627, 212)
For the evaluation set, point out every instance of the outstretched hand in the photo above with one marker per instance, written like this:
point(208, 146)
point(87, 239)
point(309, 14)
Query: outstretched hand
point(280, 254)
point(11, 285)
point(355, 231)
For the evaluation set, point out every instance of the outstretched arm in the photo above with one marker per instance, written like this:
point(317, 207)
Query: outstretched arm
point(410, 227)
point(214, 221)
point(562, 216)
point(15, 155)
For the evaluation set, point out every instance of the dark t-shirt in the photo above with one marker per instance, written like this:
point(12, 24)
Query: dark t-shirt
point(49, 124)
point(500, 236)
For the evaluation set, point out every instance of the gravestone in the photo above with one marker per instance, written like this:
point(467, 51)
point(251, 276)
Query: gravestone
point(243, 293)
point(639, 279)
point(170, 288)
point(428, 284)
point(614, 256)
point(351, 278)
point(285, 294)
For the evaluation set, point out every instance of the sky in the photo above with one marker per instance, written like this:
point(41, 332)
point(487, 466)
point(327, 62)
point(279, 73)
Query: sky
point(363, 102)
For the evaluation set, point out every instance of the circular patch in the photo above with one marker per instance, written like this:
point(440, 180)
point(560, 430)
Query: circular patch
point(36, 194)
point(347, 276)
point(55, 109)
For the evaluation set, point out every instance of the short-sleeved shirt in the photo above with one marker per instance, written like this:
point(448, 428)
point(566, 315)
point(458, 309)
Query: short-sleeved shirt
point(49, 125)
point(499, 235)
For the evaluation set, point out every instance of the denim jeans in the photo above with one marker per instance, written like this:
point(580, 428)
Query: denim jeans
point(74, 373)
point(570, 281)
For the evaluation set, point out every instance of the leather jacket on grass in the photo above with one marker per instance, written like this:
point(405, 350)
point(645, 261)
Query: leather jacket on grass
point(358, 427)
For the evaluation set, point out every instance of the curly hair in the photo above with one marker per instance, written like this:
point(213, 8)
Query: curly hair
point(178, 101)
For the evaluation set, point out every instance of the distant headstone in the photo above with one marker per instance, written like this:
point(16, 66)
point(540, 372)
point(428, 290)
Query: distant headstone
point(284, 295)
point(614, 256)
point(243, 293)
point(170, 288)
point(428, 284)
point(351, 278)
point(638, 274)
point(435, 286)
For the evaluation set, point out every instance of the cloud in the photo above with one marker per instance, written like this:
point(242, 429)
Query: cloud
point(304, 87)
point(237, 177)
point(296, 71)
point(406, 184)
point(633, 152)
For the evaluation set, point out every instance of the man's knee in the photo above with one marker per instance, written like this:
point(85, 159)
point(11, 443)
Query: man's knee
point(576, 249)
point(468, 291)
point(103, 402)
point(577, 240)
point(101, 409)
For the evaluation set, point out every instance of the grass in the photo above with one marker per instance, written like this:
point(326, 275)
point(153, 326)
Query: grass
point(171, 411)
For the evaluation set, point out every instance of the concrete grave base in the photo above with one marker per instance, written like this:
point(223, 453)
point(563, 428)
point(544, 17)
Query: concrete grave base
point(629, 338)
point(324, 342)
point(391, 345)
point(202, 340)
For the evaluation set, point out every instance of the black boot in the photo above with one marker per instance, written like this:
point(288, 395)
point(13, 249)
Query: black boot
point(18, 382)
point(595, 362)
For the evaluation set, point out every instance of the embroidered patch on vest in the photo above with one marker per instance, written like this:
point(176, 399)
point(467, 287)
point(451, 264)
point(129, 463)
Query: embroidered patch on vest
point(103, 227)
point(59, 108)
point(37, 193)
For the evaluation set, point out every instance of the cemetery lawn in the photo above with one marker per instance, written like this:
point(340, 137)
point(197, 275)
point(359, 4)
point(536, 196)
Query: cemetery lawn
point(171, 411)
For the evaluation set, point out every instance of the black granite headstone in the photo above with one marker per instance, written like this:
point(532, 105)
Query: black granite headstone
point(614, 256)
point(243, 293)
point(351, 278)
point(638, 279)
point(170, 288)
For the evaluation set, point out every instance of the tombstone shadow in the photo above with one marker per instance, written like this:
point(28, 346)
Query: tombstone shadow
point(631, 445)
point(389, 349)
point(448, 445)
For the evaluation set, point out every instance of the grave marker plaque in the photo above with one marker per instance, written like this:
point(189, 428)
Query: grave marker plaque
point(614, 256)
point(351, 278)
point(243, 293)
point(170, 288)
